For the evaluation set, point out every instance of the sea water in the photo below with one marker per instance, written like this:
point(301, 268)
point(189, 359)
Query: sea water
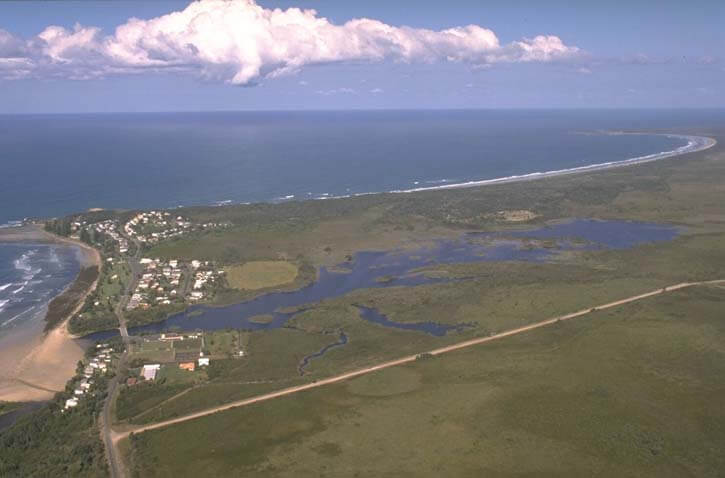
point(52, 165)
point(30, 276)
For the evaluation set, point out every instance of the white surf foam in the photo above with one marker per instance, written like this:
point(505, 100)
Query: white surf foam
point(19, 289)
point(694, 143)
point(5, 286)
point(16, 317)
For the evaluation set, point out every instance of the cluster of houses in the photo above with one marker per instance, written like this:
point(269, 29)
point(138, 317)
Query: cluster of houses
point(108, 227)
point(160, 283)
point(98, 364)
point(163, 282)
point(154, 226)
point(202, 278)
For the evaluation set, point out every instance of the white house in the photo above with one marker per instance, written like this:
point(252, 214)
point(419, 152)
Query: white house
point(203, 361)
point(149, 371)
point(70, 403)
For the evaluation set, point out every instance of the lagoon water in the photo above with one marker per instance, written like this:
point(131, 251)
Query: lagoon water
point(396, 268)
point(59, 164)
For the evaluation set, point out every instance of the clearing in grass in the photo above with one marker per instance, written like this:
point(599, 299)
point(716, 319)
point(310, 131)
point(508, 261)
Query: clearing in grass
point(261, 274)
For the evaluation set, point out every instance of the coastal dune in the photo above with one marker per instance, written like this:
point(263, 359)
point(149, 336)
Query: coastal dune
point(36, 365)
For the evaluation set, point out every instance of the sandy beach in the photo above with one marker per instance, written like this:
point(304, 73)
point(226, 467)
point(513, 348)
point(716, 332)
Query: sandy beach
point(36, 365)
point(694, 144)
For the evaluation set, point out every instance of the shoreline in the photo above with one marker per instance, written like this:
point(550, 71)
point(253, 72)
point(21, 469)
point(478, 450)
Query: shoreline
point(40, 363)
point(695, 144)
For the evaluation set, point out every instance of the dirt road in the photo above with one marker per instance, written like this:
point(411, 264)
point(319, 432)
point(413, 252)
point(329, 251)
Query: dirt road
point(116, 436)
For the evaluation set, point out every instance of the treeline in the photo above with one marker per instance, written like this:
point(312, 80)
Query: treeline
point(61, 306)
point(51, 442)
point(88, 324)
point(61, 227)
point(95, 318)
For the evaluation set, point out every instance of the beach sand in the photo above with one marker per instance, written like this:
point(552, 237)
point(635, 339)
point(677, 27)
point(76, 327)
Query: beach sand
point(36, 365)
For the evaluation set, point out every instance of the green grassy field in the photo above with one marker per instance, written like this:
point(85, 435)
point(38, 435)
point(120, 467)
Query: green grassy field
point(151, 351)
point(223, 344)
point(260, 274)
point(495, 296)
point(635, 391)
point(630, 392)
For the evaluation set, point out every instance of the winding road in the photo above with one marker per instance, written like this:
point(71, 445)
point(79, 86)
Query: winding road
point(117, 436)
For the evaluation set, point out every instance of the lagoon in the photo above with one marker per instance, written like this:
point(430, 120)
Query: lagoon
point(381, 269)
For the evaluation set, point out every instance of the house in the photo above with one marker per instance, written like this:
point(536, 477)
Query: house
point(197, 295)
point(149, 371)
point(171, 336)
point(190, 366)
point(203, 361)
point(70, 403)
point(78, 391)
point(131, 381)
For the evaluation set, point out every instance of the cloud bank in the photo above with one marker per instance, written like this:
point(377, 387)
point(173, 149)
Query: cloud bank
point(242, 43)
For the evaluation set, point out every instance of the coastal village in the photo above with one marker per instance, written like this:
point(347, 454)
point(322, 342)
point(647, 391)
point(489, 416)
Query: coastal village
point(130, 281)
point(142, 283)
point(164, 282)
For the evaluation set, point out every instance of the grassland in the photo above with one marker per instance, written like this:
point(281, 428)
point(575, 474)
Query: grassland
point(6, 407)
point(260, 274)
point(679, 190)
point(495, 296)
point(590, 398)
point(629, 392)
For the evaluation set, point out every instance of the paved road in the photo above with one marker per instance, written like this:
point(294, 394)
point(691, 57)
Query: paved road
point(115, 464)
point(116, 436)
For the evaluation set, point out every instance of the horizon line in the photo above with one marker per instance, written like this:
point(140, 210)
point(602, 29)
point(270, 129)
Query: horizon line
point(342, 110)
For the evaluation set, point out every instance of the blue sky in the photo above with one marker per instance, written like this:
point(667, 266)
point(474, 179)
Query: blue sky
point(614, 54)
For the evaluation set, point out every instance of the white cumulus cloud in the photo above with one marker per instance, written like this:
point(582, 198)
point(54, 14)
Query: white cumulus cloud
point(241, 42)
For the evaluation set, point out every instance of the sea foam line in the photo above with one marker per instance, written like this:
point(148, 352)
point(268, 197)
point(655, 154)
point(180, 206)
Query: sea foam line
point(694, 144)
point(5, 286)
point(14, 318)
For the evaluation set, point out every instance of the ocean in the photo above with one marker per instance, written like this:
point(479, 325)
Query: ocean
point(52, 165)
point(30, 276)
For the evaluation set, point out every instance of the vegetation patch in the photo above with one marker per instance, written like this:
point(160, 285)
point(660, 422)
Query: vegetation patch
point(387, 382)
point(633, 391)
point(62, 306)
point(261, 274)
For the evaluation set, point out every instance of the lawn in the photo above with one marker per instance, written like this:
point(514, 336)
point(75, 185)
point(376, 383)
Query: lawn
point(151, 351)
point(260, 274)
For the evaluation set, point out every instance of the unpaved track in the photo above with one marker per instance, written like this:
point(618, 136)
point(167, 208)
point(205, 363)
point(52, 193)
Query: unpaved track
point(116, 436)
